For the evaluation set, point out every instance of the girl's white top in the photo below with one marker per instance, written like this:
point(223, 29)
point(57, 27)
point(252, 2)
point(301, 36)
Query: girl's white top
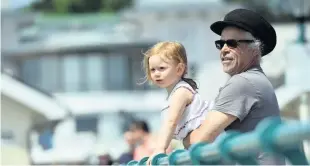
point(193, 115)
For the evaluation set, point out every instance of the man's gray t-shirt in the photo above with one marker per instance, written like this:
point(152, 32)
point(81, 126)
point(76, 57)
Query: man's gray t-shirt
point(250, 97)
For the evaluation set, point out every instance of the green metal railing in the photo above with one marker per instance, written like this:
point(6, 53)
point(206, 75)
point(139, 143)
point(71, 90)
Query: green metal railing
point(271, 136)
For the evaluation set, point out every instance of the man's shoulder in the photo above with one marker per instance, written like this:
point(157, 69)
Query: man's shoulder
point(242, 84)
point(255, 73)
point(250, 78)
point(239, 80)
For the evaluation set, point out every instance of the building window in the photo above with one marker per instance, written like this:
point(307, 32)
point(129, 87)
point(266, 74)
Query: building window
point(136, 72)
point(72, 73)
point(117, 68)
point(30, 72)
point(87, 123)
point(46, 139)
point(7, 137)
point(89, 72)
point(95, 74)
point(50, 73)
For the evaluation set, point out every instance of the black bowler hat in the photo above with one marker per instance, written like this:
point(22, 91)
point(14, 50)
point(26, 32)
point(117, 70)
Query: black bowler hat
point(252, 22)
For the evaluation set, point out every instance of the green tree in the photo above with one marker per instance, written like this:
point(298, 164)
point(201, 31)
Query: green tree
point(79, 6)
point(115, 5)
point(42, 6)
point(61, 6)
point(85, 6)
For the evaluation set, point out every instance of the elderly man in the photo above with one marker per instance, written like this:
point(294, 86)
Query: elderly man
point(248, 96)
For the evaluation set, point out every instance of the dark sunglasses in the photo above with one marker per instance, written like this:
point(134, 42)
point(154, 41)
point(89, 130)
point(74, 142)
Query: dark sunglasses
point(230, 43)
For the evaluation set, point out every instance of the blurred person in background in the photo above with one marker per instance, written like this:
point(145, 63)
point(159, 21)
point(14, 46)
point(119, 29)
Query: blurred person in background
point(248, 96)
point(105, 159)
point(145, 141)
point(128, 156)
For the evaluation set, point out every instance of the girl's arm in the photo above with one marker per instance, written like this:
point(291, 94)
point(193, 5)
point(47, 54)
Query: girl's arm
point(179, 100)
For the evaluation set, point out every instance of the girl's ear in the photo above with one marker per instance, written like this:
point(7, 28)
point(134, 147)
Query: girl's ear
point(181, 69)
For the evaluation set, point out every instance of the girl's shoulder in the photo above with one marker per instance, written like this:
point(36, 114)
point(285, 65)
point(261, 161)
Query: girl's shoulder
point(183, 84)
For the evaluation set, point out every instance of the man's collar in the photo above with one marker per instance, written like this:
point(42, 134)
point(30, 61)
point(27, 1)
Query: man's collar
point(255, 68)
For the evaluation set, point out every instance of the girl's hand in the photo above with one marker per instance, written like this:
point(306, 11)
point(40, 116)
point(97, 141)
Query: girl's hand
point(157, 151)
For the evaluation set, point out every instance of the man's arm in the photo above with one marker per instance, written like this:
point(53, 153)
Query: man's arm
point(234, 102)
point(212, 126)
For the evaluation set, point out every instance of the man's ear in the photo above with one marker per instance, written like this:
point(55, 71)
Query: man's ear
point(256, 52)
point(255, 56)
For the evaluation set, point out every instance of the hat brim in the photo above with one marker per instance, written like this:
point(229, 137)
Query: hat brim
point(218, 26)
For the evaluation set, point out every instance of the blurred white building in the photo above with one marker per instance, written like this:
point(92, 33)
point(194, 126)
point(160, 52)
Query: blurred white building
point(92, 65)
point(95, 74)
point(22, 108)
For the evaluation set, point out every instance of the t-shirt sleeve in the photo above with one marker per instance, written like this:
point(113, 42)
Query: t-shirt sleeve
point(237, 97)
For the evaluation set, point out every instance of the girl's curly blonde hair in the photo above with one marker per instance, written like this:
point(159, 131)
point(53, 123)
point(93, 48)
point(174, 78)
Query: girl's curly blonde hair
point(171, 50)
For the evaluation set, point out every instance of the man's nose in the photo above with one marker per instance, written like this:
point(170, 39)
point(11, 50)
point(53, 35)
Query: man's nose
point(225, 49)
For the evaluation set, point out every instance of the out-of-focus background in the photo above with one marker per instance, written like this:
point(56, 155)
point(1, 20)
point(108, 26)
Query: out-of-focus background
point(70, 71)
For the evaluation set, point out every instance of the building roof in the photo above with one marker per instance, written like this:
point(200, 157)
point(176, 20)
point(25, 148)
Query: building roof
point(77, 42)
point(38, 101)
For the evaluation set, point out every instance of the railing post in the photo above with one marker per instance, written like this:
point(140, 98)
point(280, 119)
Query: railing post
point(143, 161)
point(229, 154)
point(133, 162)
point(173, 157)
point(156, 159)
point(195, 153)
point(268, 131)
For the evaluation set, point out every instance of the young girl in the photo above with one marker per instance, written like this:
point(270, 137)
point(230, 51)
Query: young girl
point(165, 65)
